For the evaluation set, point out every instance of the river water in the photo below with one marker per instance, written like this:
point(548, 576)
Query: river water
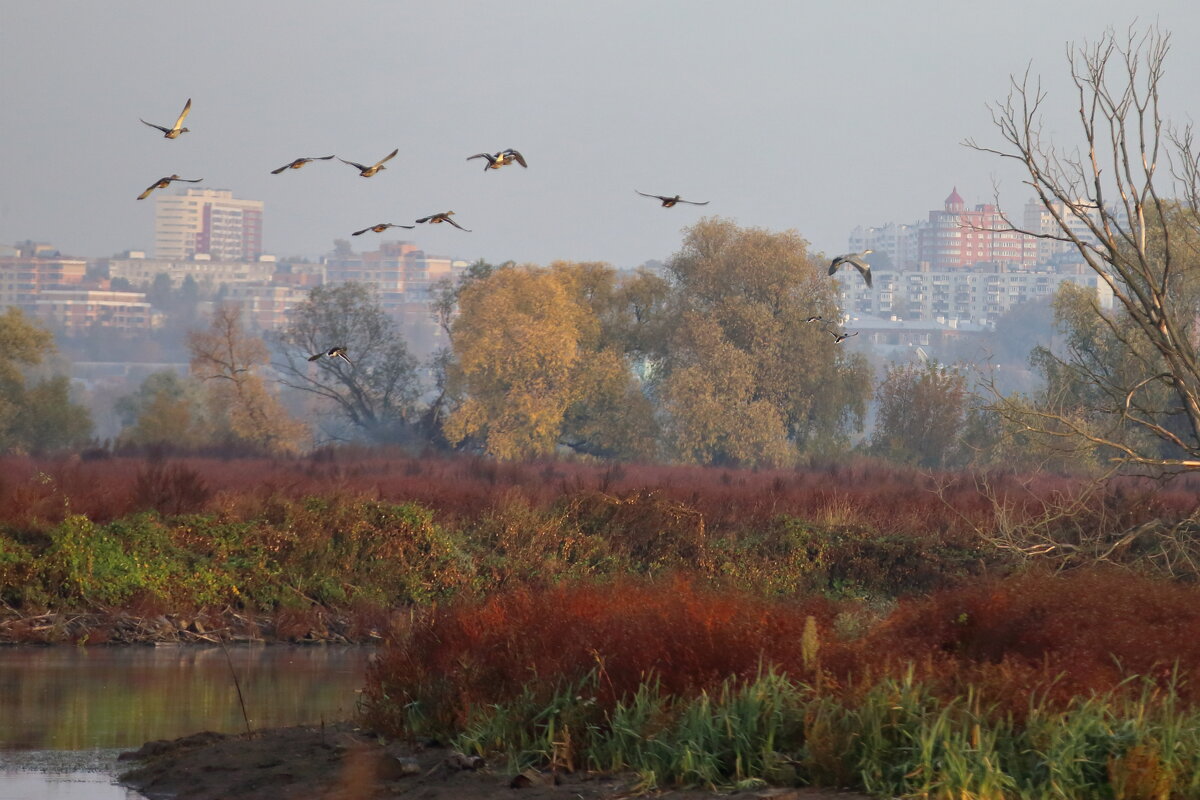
point(66, 712)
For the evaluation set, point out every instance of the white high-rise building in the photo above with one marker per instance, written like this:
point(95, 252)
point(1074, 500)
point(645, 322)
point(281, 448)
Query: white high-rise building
point(208, 222)
point(898, 241)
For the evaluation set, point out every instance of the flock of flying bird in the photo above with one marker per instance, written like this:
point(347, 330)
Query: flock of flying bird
point(494, 161)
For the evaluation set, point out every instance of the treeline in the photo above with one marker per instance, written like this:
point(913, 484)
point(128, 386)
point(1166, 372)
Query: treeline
point(716, 359)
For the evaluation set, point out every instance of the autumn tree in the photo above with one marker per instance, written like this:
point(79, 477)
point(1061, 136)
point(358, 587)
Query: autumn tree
point(922, 410)
point(376, 395)
point(1126, 196)
point(740, 376)
point(229, 361)
point(40, 416)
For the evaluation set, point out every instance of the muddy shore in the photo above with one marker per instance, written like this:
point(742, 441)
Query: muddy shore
point(342, 762)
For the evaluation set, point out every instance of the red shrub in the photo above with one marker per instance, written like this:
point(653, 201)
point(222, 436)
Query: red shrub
point(689, 639)
point(1058, 636)
point(1085, 630)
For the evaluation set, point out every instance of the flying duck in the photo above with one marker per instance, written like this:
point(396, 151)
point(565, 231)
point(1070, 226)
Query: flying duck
point(667, 202)
point(333, 352)
point(367, 172)
point(300, 162)
point(381, 227)
point(838, 338)
point(442, 217)
point(501, 159)
point(163, 183)
point(856, 260)
point(176, 129)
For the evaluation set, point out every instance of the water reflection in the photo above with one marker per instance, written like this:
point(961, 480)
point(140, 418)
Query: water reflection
point(63, 786)
point(72, 698)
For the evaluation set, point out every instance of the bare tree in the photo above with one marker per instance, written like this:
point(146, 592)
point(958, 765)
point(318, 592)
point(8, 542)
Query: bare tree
point(378, 388)
point(1126, 198)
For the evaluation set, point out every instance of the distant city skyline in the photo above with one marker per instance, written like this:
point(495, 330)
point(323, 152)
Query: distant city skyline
point(784, 115)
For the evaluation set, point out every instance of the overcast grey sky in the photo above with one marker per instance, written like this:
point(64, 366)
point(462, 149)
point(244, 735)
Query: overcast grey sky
point(804, 115)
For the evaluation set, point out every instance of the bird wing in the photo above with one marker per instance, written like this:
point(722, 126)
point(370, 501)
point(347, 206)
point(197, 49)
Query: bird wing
point(342, 355)
point(863, 267)
point(188, 180)
point(364, 230)
point(693, 202)
point(152, 125)
point(187, 107)
point(149, 189)
point(488, 156)
point(837, 262)
point(281, 169)
point(360, 167)
point(388, 157)
point(410, 227)
point(455, 224)
point(314, 358)
point(655, 196)
point(321, 158)
point(520, 158)
point(426, 219)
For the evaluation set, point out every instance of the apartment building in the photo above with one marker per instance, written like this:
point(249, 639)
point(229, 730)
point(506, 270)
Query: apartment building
point(208, 222)
point(897, 242)
point(956, 236)
point(76, 310)
point(976, 296)
point(265, 307)
point(207, 272)
point(29, 268)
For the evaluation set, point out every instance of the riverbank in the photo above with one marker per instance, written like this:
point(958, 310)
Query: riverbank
point(288, 626)
point(342, 762)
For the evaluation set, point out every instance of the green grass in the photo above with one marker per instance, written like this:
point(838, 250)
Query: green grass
point(897, 739)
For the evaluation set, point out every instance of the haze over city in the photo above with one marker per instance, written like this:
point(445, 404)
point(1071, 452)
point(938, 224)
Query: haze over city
point(783, 115)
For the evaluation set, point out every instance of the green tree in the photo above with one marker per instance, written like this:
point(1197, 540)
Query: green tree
point(377, 395)
point(40, 417)
point(922, 409)
point(165, 410)
point(739, 374)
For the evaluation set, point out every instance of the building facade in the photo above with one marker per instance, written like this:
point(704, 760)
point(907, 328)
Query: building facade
point(201, 268)
point(208, 222)
point(956, 237)
point(265, 307)
point(977, 296)
point(30, 268)
point(76, 310)
point(898, 241)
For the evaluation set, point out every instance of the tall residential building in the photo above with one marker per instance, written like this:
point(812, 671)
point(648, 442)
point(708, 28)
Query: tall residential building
point(208, 222)
point(898, 242)
point(957, 237)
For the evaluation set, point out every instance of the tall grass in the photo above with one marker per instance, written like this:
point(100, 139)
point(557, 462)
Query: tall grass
point(945, 697)
point(896, 739)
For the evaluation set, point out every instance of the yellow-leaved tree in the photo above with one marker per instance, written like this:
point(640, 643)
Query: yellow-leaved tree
point(229, 361)
point(537, 366)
